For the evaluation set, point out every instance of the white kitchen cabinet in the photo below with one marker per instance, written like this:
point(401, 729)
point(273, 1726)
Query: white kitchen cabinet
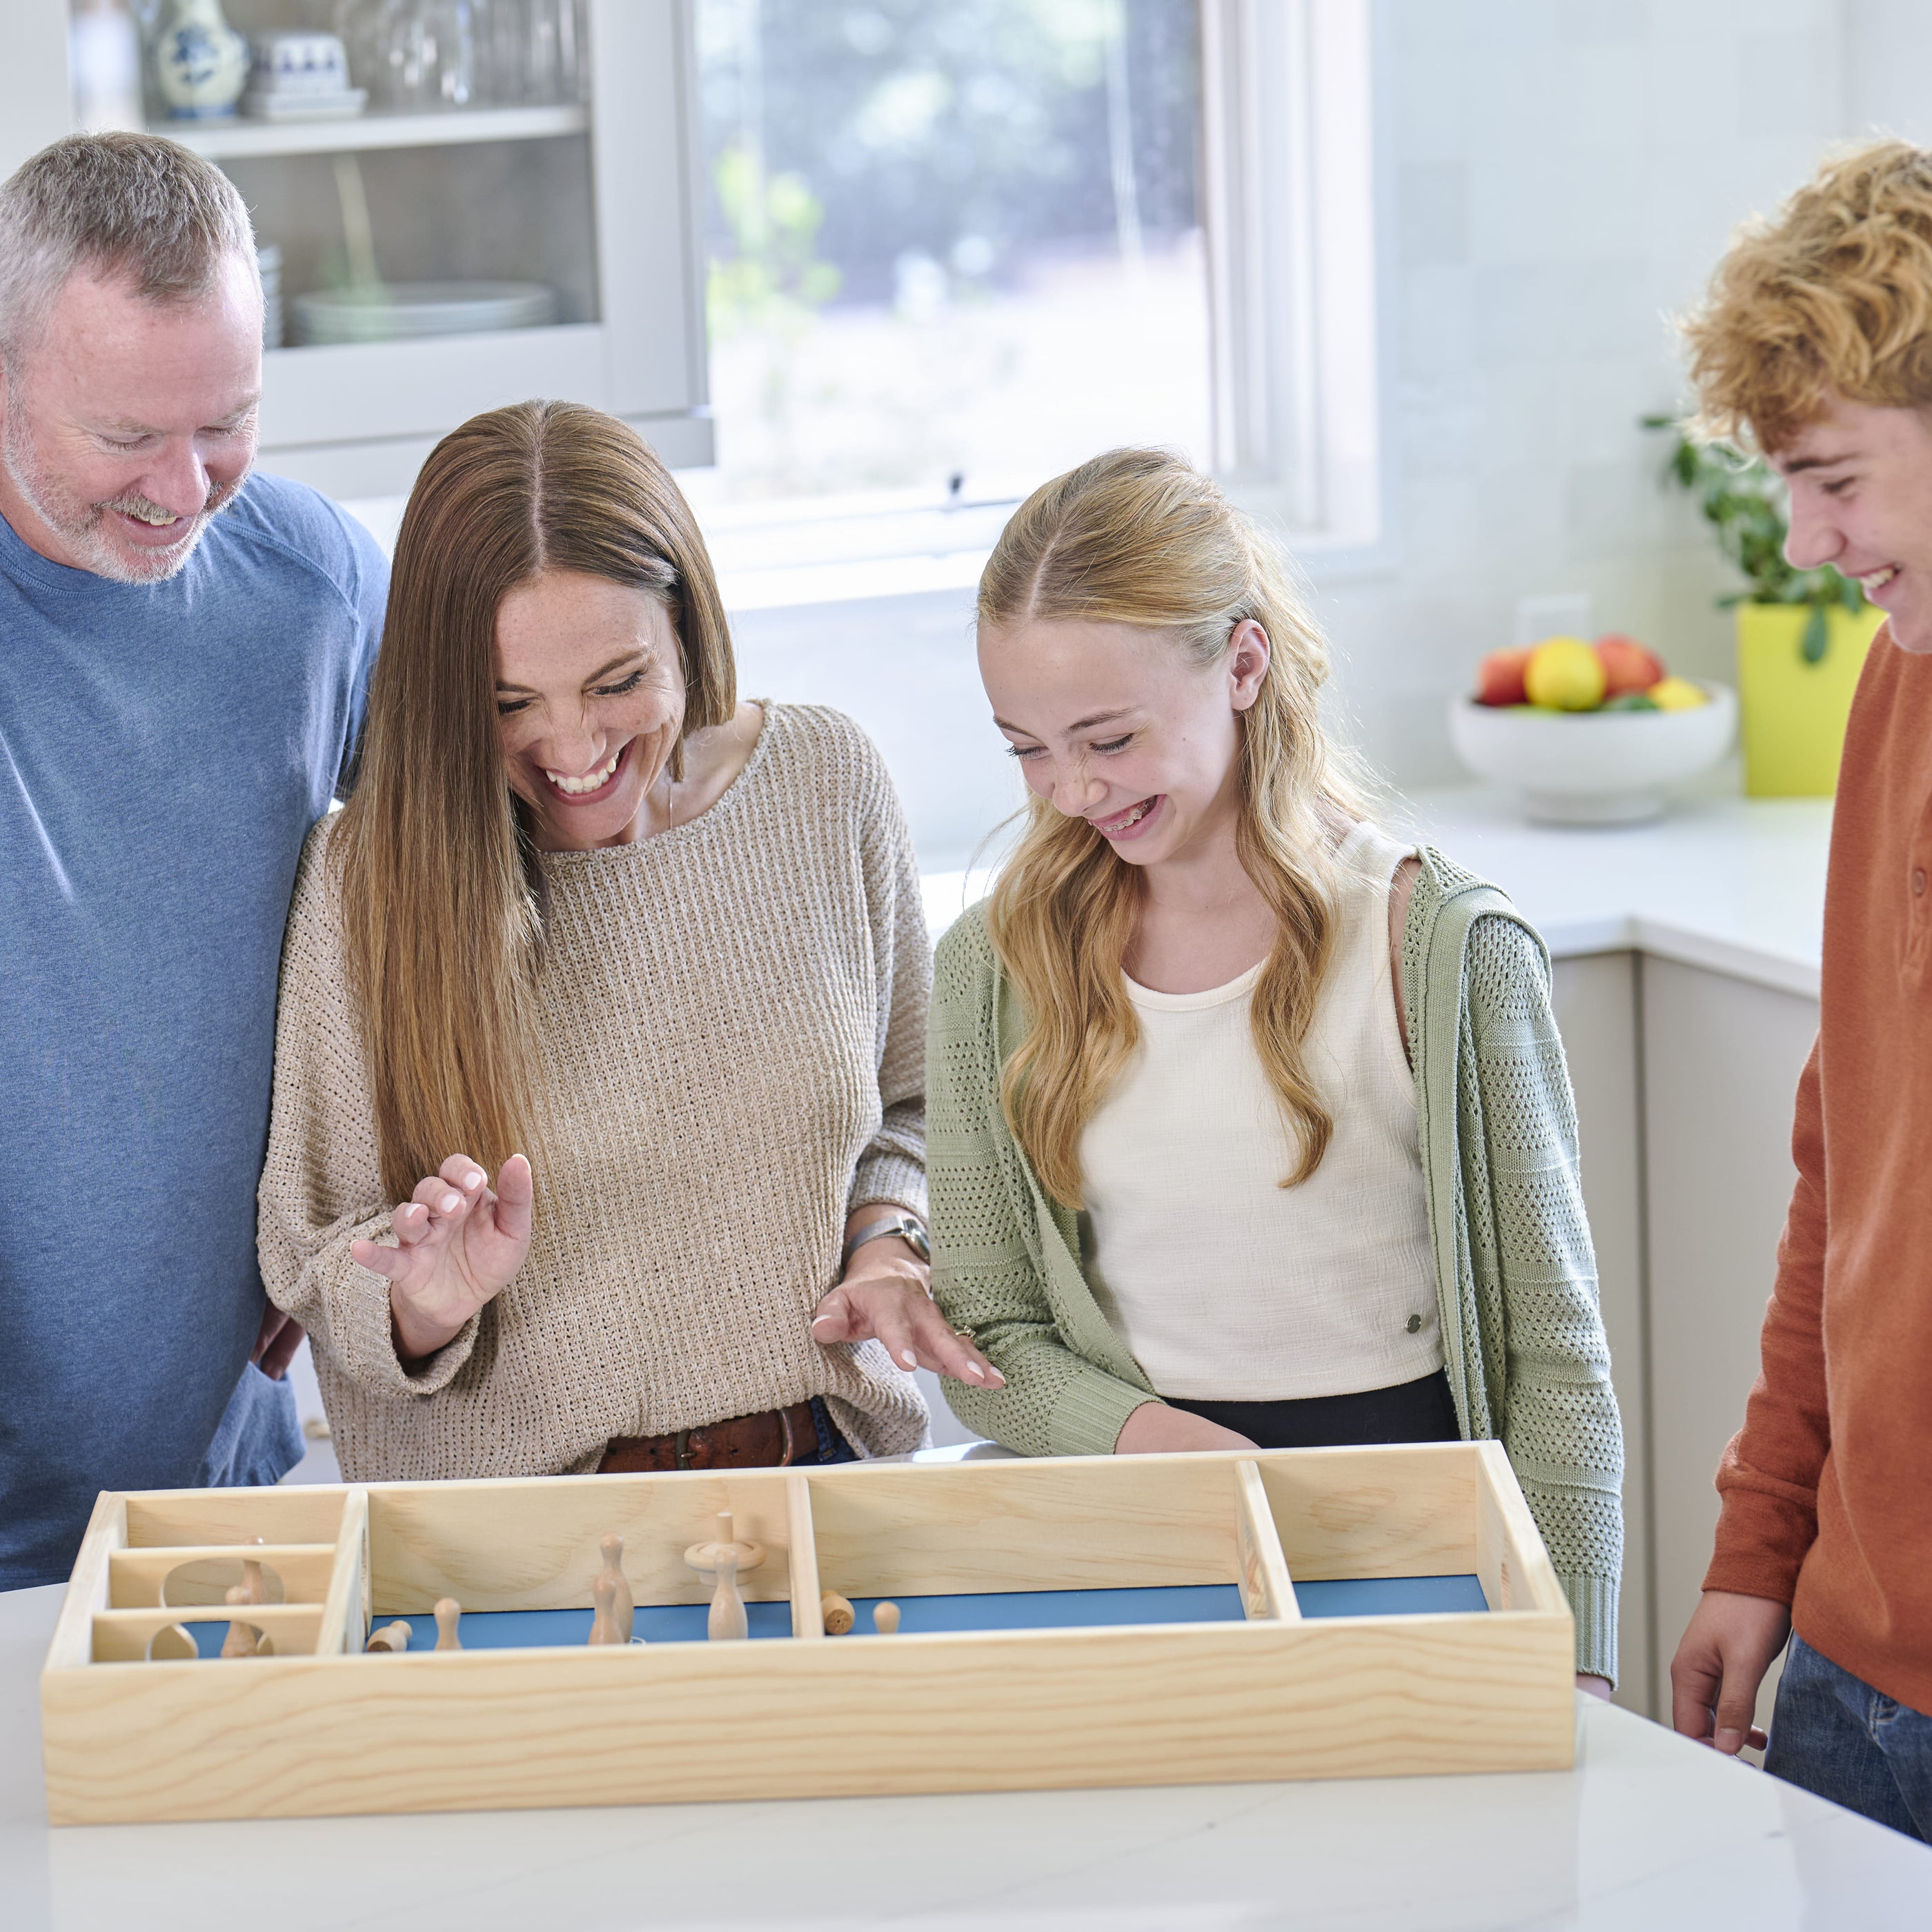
point(1684, 1081)
point(599, 200)
point(1595, 998)
point(1721, 1059)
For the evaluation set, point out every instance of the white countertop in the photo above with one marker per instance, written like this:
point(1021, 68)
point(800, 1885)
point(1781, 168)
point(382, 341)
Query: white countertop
point(1650, 1833)
point(1734, 885)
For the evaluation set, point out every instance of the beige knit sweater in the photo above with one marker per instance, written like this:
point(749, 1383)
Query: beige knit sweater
point(733, 1019)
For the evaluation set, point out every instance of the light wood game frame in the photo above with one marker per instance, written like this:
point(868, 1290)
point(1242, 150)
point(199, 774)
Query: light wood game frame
point(320, 1728)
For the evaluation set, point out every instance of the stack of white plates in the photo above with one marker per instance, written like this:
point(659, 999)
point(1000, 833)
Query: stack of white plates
point(261, 105)
point(406, 311)
point(270, 257)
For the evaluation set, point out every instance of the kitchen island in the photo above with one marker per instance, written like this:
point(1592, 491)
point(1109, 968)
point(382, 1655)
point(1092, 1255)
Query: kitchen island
point(1649, 1831)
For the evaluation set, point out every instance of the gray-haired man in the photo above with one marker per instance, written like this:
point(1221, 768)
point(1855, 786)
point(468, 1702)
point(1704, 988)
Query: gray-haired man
point(183, 652)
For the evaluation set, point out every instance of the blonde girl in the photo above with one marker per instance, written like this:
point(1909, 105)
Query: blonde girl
point(1249, 1124)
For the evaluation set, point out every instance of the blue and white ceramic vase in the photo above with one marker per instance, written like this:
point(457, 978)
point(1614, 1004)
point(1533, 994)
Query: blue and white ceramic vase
point(201, 63)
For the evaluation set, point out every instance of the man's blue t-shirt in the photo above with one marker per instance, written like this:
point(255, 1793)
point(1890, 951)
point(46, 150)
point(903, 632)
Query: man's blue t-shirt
point(164, 749)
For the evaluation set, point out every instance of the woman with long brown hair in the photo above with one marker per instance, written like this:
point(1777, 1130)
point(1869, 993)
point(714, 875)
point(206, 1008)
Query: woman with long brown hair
point(1250, 1125)
point(598, 1137)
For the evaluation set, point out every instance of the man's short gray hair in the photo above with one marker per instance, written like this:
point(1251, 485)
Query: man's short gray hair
point(117, 205)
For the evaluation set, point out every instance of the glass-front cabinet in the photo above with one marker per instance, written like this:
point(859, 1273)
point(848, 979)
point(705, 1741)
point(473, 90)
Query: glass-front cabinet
point(459, 203)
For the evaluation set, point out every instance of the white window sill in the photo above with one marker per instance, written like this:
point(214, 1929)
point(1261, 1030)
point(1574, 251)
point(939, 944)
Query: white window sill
point(787, 586)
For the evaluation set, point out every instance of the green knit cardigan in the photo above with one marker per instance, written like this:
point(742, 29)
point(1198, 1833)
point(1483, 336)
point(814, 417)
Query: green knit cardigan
point(1516, 1282)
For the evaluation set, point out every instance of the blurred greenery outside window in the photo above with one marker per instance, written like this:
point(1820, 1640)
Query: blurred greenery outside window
point(955, 246)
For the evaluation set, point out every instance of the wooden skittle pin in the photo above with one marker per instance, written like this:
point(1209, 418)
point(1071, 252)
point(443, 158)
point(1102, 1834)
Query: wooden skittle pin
point(886, 1619)
point(623, 1605)
point(727, 1621)
point(448, 1613)
point(836, 1613)
point(604, 1619)
point(240, 1641)
point(390, 1639)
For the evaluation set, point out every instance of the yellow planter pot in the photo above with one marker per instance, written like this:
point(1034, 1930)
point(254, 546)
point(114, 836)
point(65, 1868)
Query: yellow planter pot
point(1793, 713)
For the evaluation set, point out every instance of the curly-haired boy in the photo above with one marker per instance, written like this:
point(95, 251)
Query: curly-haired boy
point(1815, 344)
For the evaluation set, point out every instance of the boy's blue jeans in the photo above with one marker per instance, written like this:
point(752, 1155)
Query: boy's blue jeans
point(1833, 1734)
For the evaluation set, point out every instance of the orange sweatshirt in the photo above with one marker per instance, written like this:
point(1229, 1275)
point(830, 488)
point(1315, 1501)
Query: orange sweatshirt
point(1827, 1487)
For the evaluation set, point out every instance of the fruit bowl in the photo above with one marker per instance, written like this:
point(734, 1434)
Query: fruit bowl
point(1593, 767)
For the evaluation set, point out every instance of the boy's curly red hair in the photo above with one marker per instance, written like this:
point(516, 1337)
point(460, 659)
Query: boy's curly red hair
point(1834, 295)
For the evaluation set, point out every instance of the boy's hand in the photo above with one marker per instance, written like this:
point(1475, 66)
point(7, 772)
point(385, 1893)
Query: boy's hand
point(457, 1247)
point(1727, 1648)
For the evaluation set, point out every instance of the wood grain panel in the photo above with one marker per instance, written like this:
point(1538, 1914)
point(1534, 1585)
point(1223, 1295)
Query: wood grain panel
point(999, 1711)
point(158, 1517)
point(122, 1636)
point(136, 1577)
point(1057, 1523)
point(534, 1544)
point(1398, 1511)
point(1267, 1588)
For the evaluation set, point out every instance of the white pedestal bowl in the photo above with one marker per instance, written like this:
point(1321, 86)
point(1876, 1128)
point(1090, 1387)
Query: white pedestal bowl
point(1593, 767)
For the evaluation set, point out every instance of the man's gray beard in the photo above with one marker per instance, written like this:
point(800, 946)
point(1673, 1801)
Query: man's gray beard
point(82, 534)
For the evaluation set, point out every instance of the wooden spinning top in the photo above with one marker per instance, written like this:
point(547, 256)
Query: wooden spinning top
point(702, 1557)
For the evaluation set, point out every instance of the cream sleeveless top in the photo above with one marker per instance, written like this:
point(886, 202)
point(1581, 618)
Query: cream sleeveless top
point(1227, 1286)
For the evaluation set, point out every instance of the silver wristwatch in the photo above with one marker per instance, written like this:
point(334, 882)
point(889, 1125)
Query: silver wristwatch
point(910, 1230)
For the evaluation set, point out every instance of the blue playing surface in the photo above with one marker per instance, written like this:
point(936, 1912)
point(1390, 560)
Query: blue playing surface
point(1015, 1610)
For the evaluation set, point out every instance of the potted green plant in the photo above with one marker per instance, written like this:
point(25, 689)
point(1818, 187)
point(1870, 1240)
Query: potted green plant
point(1802, 635)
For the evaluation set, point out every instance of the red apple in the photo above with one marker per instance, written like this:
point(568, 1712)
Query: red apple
point(1628, 666)
point(1499, 677)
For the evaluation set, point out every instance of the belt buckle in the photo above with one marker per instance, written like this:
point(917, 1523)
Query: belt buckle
point(683, 1445)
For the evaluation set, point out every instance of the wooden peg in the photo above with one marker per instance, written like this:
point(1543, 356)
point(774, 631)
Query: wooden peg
point(447, 1613)
point(251, 1576)
point(624, 1607)
point(727, 1621)
point(240, 1641)
point(886, 1619)
point(604, 1619)
point(836, 1613)
point(390, 1639)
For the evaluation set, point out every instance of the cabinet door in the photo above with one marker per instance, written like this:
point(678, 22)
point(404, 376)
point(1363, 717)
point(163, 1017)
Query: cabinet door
point(1595, 998)
point(650, 252)
point(1721, 1059)
point(35, 105)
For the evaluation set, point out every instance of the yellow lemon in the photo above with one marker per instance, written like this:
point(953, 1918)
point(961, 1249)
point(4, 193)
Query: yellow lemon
point(1565, 674)
point(1676, 693)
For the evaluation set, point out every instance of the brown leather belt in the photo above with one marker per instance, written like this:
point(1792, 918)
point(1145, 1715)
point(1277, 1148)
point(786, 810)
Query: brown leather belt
point(771, 1440)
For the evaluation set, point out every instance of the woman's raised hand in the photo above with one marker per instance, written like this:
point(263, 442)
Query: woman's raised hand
point(885, 1295)
point(458, 1243)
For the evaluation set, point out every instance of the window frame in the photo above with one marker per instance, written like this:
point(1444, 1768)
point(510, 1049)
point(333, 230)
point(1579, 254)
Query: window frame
point(1295, 235)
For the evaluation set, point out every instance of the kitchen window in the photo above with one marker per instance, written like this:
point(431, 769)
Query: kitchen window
point(953, 247)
